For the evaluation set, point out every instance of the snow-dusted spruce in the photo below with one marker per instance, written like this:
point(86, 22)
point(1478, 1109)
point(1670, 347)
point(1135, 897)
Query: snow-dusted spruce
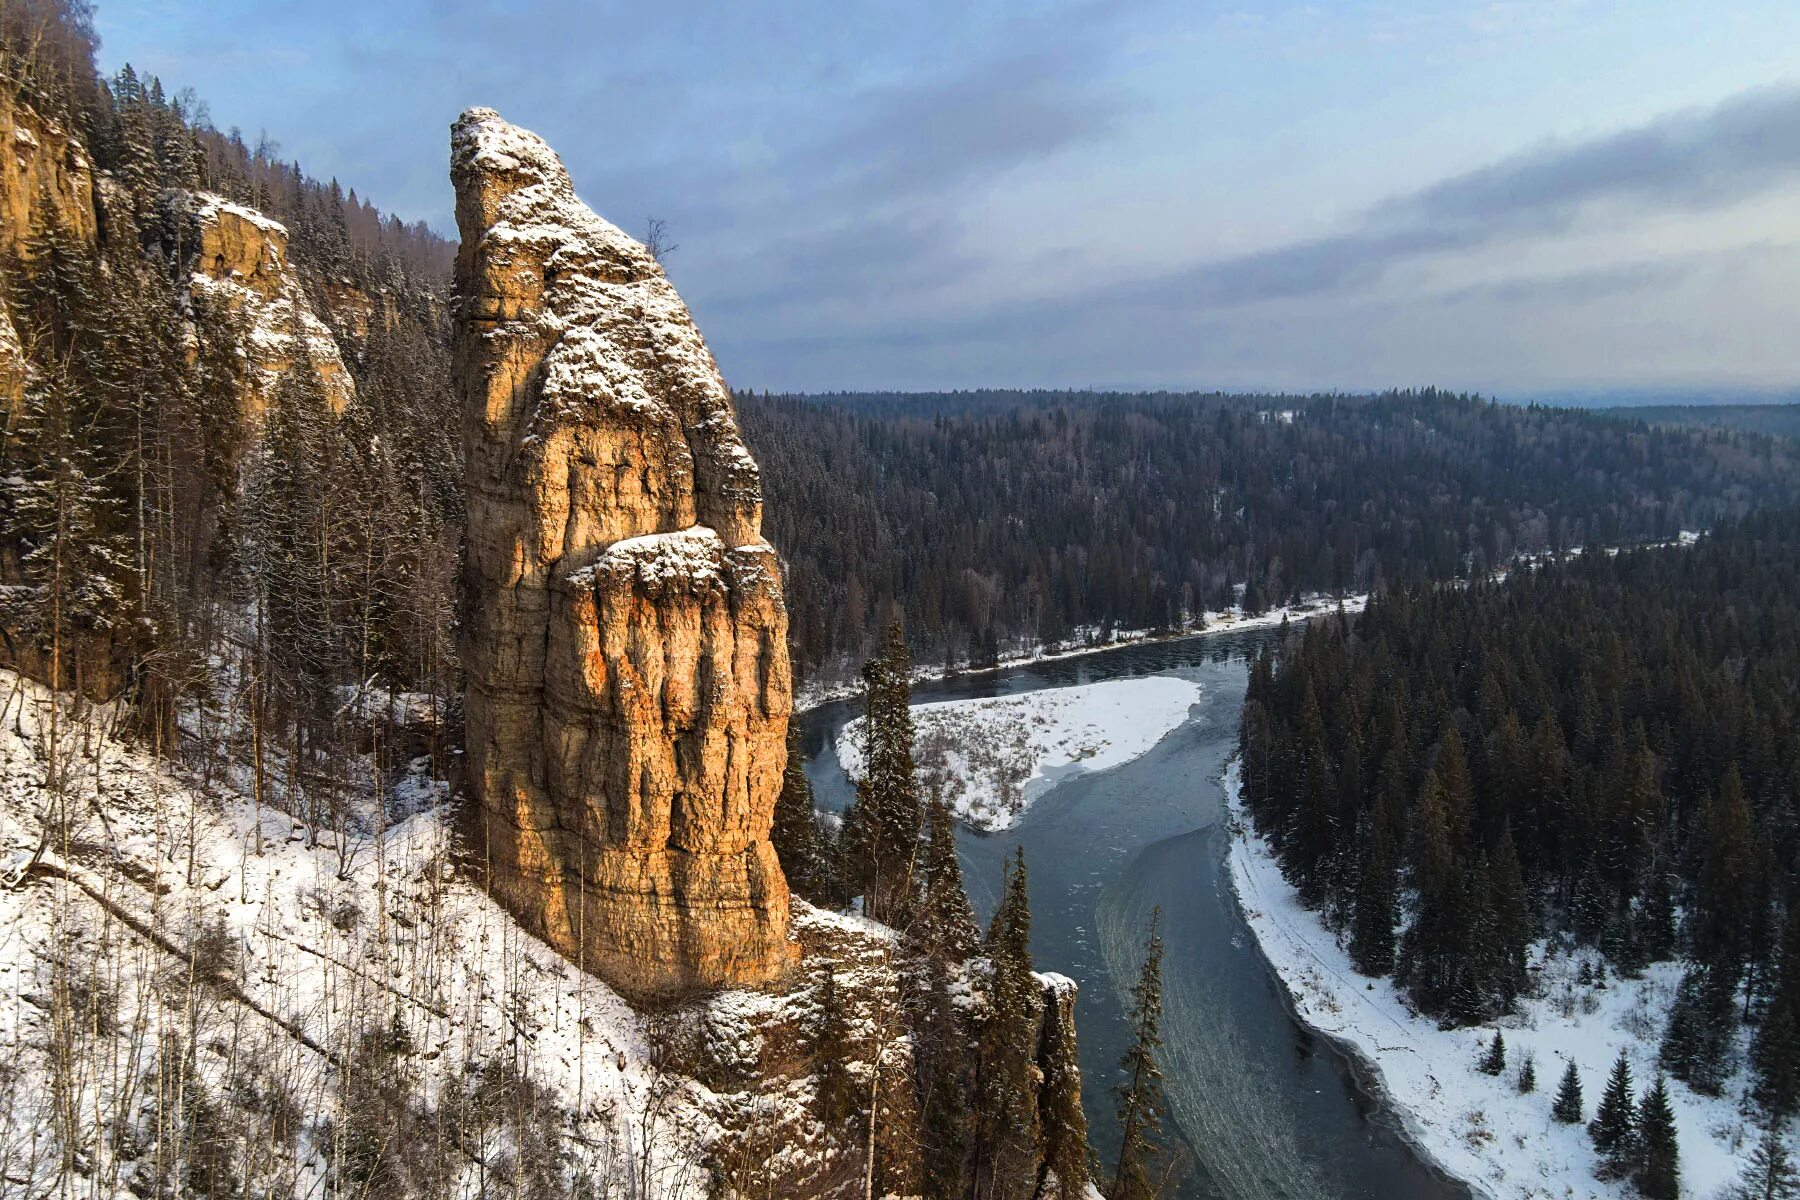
point(1481, 1127)
point(990, 758)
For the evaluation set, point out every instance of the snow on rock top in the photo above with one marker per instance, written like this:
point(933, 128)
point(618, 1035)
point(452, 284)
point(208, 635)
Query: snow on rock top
point(604, 293)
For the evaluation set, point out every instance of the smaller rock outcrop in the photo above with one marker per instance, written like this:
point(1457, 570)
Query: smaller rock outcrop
point(46, 183)
point(46, 180)
point(238, 260)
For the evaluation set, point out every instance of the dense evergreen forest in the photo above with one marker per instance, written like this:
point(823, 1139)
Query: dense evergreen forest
point(994, 520)
point(1778, 420)
point(1598, 751)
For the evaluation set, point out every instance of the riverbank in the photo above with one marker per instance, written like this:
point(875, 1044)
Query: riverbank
point(1478, 1128)
point(1211, 623)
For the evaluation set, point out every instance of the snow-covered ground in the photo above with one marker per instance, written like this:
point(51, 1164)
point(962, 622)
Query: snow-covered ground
point(992, 757)
point(1479, 1127)
point(149, 912)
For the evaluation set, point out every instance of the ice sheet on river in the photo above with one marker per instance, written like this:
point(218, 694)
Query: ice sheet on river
point(992, 757)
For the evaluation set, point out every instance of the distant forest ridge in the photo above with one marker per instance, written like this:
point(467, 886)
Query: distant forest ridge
point(996, 520)
point(1777, 420)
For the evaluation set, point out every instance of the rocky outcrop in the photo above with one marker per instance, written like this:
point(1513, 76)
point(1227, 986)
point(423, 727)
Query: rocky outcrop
point(624, 631)
point(46, 182)
point(238, 261)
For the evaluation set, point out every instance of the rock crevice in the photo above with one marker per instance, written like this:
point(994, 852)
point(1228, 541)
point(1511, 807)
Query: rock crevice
point(624, 630)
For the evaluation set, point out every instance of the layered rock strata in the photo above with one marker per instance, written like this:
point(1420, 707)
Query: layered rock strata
point(624, 631)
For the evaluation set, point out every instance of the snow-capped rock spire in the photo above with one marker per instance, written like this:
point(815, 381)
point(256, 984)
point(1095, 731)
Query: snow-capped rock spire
point(625, 634)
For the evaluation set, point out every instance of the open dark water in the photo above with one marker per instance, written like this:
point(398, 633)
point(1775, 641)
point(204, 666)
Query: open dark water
point(1264, 1109)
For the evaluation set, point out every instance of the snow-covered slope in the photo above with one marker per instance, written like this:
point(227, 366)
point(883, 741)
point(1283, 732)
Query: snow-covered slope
point(990, 758)
point(1479, 1127)
point(192, 984)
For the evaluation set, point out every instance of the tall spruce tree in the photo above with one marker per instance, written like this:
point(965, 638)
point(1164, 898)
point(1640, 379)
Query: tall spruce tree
point(943, 1079)
point(1614, 1127)
point(1006, 1116)
point(946, 923)
point(798, 842)
point(1139, 1099)
point(881, 830)
point(1659, 1151)
point(1775, 1054)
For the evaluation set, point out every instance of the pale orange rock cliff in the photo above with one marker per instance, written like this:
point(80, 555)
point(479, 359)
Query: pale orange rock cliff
point(624, 630)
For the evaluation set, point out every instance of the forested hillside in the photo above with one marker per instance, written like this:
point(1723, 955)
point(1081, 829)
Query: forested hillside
point(993, 520)
point(1598, 752)
point(198, 468)
point(1780, 420)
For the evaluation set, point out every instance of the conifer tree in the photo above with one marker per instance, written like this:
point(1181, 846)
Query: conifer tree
point(946, 922)
point(1511, 922)
point(1769, 1172)
point(943, 1086)
point(1659, 1153)
point(795, 834)
point(881, 830)
point(1775, 1054)
point(1614, 1127)
point(1527, 1075)
point(835, 1090)
point(1697, 1045)
point(1373, 915)
point(1432, 962)
point(1006, 1117)
point(1139, 1099)
point(1568, 1106)
point(1493, 1062)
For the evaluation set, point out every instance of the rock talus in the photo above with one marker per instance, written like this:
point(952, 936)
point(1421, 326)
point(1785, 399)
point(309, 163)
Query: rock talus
point(624, 630)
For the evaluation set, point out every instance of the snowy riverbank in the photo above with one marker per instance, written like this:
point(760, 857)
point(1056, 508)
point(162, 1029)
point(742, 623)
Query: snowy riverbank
point(993, 757)
point(1479, 1128)
point(811, 694)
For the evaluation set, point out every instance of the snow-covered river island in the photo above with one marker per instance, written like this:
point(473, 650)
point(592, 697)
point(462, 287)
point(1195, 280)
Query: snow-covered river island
point(990, 757)
point(1481, 1127)
point(1265, 1109)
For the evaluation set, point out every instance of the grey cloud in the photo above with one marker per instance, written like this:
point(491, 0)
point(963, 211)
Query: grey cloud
point(1687, 160)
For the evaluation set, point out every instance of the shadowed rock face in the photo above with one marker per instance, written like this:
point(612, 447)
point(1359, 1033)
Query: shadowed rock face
point(625, 635)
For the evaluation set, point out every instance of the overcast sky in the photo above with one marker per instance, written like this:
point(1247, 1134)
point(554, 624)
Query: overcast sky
point(1516, 196)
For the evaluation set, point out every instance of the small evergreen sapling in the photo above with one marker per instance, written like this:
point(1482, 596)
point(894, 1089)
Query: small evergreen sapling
point(1527, 1076)
point(1567, 1108)
point(1494, 1061)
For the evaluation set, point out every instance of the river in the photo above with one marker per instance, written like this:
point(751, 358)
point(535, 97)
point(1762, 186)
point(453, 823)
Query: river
point(1263, 1108)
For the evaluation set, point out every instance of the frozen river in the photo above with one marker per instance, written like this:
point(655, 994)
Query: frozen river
point(1266, 1109)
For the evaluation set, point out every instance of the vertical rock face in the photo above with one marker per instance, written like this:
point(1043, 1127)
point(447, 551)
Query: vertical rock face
point(625, 635)
point(238, 259)
point(46, 182)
